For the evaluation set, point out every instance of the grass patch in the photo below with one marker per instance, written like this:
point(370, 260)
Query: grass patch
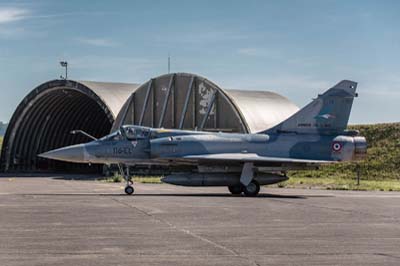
point(379, 171)
point(148, 179)
point(113, 179)
point(117, 178)
point(382, 162)
point(340, 184)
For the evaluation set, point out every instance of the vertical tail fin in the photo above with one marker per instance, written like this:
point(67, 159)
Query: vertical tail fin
point(327, 114)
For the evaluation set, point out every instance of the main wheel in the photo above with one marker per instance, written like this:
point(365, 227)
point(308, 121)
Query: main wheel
point(235, 190)
point(129, 190)
point(252, 189)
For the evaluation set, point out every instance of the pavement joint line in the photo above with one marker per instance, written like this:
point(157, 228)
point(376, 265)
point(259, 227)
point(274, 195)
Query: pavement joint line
point(188, 232)
point(387, 255)
point(177, 228)
point(209, 255)
point(337, 209)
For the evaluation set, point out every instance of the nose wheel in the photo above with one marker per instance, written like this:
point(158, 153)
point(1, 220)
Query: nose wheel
point(129, 190)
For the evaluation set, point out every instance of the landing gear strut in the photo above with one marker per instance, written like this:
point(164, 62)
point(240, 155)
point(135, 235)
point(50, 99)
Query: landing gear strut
point(248, 185)
point(129, 188)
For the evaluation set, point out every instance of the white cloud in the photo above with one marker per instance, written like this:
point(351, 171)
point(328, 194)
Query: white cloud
point(113, 68)
point(385, 86)
point(11, 32)
point(12, 14)
point(198, 38)
point(249, 51)
point(100, 42)
point(109, 62)
point(259, 52)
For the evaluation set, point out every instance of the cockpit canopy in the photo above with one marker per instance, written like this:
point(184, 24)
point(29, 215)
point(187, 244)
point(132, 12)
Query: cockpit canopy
point(136, 132)
point(128, 132)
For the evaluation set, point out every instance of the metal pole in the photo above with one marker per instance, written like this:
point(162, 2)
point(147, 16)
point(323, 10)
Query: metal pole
point(358, 169)
point(65, 65)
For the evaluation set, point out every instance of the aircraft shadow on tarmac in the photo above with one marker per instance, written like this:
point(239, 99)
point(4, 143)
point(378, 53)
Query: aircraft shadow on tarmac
point(210, 195)
point(82, 177)
point(221, 195)
point(227, 195)
point(206, 195)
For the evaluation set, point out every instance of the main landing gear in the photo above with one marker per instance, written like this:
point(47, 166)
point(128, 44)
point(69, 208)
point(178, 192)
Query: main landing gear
point(235, 190)
point(251, 190)
point(248, 185)
point(129, 188)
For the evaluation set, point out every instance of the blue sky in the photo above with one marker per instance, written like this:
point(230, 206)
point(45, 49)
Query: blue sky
point(296, 48)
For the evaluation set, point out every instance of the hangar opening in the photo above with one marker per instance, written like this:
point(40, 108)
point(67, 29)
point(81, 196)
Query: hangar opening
point(46, 116)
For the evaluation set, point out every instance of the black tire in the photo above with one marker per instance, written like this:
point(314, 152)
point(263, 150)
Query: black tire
point(129, 190)
point(235, 190)
point(252, 189)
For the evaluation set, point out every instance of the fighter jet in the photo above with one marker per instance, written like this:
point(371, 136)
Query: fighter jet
point(313, 136)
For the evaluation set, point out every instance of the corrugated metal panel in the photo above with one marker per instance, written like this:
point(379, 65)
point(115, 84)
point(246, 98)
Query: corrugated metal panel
point(189, 101)
point(113, 94)
point(262, 109)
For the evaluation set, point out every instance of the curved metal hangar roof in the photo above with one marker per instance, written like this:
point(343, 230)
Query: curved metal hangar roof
point(189, 101)
point(46, 116)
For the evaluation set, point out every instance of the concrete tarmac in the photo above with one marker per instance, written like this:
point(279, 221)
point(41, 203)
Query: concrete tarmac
point(56, 221)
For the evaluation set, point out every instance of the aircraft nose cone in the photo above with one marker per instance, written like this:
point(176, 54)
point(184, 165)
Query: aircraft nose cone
point(75, 154)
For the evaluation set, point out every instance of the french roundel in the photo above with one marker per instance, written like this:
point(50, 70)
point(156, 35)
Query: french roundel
point(336, 146)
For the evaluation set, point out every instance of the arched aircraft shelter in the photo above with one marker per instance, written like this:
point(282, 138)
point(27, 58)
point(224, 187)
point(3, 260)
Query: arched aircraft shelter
point(46, 116)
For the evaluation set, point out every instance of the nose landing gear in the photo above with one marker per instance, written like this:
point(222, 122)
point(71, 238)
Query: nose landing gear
point(129, 188)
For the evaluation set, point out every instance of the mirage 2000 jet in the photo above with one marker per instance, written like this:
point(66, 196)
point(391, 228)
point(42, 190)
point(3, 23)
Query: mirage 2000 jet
point(313, 136)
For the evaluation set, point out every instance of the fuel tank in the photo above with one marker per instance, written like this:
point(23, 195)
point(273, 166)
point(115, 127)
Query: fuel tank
point(218, 179)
